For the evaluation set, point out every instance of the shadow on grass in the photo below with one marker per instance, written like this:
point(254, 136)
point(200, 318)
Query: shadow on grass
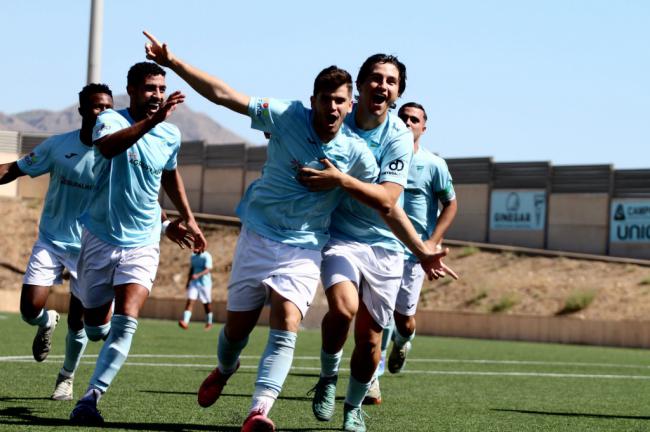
point(237, 395)
point(574, 414)
point(22, 416)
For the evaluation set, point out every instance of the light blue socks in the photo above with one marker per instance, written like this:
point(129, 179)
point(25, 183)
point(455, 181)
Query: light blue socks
point(228, 352)
point(75, 344)
point(329, 363)
point(114, 352)
point(356, 392)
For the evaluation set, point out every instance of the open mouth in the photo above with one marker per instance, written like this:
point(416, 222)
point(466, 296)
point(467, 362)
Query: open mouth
point(153, 106)
point(378, 98)
point(331, 119)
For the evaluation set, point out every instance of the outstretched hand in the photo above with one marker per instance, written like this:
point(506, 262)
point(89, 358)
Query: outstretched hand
point(435, 268)
point(178, 233)
point(320, 180)
point(158, 52)
point(200, 243)
point(168, 106)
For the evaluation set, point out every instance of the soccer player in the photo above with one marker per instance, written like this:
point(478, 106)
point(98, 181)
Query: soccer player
point(135, 154)
point(429, 183)
point(199, 285)
point(284, 226)
point(68, 158)
point(362, 263)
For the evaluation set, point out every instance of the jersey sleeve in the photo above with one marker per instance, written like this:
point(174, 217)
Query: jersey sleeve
point(108, 122)
point(396, 160)
point(208, 261)
point(443, 187)
point(38, 161)
point(267, 115)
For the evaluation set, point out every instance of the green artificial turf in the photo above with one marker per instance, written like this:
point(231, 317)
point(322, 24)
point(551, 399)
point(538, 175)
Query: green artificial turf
point(449, 385)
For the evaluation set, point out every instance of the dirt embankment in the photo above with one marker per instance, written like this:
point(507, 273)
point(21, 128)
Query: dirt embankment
point(491, 282)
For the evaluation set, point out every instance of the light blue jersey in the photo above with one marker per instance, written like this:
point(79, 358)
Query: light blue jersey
point(70, 164)
point(125, 210)
point(392, 145)
point(199, 263)
point(276, 205)
point(429, 181)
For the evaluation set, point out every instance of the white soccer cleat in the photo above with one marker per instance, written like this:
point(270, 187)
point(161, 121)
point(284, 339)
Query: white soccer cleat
point(63, 388)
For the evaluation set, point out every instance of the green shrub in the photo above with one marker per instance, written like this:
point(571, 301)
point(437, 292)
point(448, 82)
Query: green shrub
point(476, 299)
point(645, 281)
point(467, 251)
point(507, 301)
point(577, 301)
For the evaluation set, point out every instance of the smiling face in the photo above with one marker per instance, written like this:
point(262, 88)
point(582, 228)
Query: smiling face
point(379, 90)
point(329, 111)
point(147, 96)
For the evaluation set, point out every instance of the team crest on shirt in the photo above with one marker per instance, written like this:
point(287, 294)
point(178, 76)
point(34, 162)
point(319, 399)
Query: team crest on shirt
point(31, 158)
point(262, 108)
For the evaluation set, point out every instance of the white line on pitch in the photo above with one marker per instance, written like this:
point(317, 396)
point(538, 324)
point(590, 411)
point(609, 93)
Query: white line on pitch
point(410, 360)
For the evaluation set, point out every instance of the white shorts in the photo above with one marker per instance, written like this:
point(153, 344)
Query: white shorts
point(409, 290)
point(197, 290)
point(375, 271)
point(261, 264)
point(46, 264)
point(102, 266)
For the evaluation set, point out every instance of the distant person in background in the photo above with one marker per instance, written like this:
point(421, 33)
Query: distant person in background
point(135, 154)
point(199, 285)
point(68, 158)
point(429, 186)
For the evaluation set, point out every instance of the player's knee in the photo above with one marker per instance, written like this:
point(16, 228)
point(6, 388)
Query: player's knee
point(97, 333)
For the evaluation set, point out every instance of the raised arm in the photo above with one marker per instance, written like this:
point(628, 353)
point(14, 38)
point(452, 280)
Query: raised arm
point(212, 88)
point(10, 172)
point(118, 142)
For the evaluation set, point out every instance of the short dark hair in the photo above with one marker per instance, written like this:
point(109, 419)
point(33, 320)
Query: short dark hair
point(140, 71)
point(412, 105)
point(91, 89)
point(330, 79)
point(366, 68)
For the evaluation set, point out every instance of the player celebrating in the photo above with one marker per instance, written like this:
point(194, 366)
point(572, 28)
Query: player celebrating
point(284, 226)
point(68, 158)
point(364, 259)
point(199, 285)
point(135, 154)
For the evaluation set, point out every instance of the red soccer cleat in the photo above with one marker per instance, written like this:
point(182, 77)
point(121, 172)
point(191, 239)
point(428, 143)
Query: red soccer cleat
point(212, 386)
point(257, 422)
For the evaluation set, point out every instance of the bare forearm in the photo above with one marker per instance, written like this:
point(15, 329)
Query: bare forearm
point(173, 185)
point(118, 142)
point(401, 225)
point(9, 172)
point(371, 194)
point(212, 88)
point(446, 217)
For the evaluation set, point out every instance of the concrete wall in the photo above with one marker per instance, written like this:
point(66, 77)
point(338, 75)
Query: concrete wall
point(577, 222)
point(633, 334)
point(222, 190)
point(473, 206)
point(193, 179)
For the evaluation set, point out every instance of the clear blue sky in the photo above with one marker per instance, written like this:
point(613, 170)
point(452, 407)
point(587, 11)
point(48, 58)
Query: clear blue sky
point(566, 81)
